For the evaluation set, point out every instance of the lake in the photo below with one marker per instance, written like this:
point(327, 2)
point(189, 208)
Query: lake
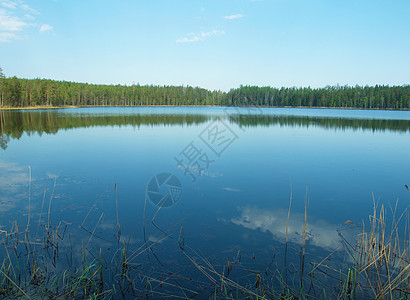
point(185, 186)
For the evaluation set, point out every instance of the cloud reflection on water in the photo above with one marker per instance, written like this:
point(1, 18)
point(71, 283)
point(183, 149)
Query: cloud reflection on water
point(13, 183)
point(319, 232)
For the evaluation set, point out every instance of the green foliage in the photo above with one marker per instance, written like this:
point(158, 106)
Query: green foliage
point(379, 96)
point(11, 92)
point(2, 86)
point(44, 92)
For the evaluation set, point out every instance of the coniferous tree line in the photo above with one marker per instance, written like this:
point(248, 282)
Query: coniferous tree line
point(378, 96)
point(17, 92)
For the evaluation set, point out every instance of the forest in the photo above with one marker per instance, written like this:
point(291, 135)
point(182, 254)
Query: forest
point(17, 92)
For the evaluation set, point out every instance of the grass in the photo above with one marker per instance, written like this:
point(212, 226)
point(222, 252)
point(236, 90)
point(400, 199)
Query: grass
point(44, 265)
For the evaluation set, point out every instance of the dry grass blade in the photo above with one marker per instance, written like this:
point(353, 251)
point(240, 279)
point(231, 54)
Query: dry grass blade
point(49, 205)
point(164, 282)
point(286, 235)
point(92, 234)
point(42, 206)
point(118, 220)
point(303, 241)
point(92, 207)
point(23, 292)
point(29, 199)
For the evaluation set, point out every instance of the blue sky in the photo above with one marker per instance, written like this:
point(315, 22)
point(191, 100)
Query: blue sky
point(208, 43)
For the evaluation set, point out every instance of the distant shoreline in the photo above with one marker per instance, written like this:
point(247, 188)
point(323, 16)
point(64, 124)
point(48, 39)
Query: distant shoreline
point(90, 106)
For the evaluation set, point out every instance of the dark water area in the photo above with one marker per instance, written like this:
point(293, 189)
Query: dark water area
point(187, 185)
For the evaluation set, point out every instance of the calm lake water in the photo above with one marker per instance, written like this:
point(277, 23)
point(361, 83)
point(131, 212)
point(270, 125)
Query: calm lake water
point(226, 176)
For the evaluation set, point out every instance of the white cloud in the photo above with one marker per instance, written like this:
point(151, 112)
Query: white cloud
point(6, 37)
point(188, 40)
point(8, 4)
point(28, 16)
point(10, 23)
point(29, 9)
point(9, 26)
point(213, 32)
point(232, 17)
point(46, 27)
point(192, 37)
point(15, 17)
